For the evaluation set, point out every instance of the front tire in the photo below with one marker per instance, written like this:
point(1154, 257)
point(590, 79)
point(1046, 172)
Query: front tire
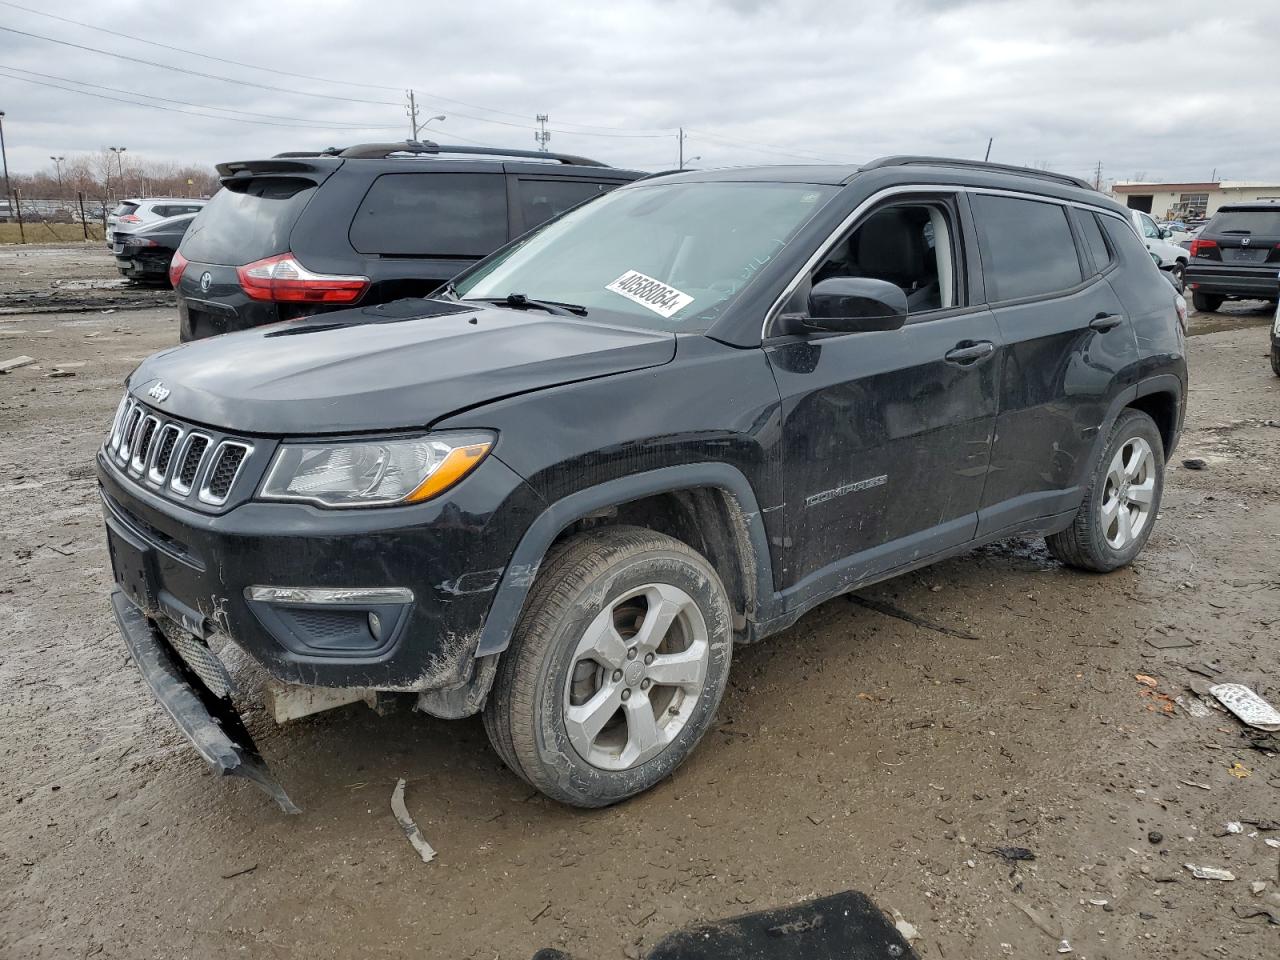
point(1122, 501)
point(1275, 359)
point(615, 669)
point(1206, 302)
point(1179, 273)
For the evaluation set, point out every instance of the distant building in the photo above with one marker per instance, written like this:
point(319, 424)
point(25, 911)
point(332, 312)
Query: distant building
point(1176, 201)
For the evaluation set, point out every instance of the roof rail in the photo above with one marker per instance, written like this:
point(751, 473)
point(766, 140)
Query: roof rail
point(380, 151)
point(906, 161)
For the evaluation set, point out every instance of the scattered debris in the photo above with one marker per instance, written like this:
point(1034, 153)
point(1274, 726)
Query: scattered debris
point(1209, 873)
point(241, 872)
point(1258, 886)
point(889, 610)
point(1272, 842)
point(1234, 826)
point(409, 827)
point(1194, 706)
point(1239, 770)
point(1145, 680)
point(1098, 902)
point(1194, 463)
point(1012, 854)
point(908, 930)
point(15, 363)
point(1064, 946)
point(1257, 910)
point(1247, 705)
point(1162, 642)
point(538, 916)
point(1192, 783)
point(1155, 836)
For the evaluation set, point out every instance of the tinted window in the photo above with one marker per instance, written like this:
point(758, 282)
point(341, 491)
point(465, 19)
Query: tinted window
point(1260, 222)
point(432, 215)
point(1093, 240)
point(1125, 242)
point(124, 209)
point(1027, 247)
point(540, 200)
point(245, 222)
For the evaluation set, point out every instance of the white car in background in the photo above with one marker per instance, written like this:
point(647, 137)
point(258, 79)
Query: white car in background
point(131, 214)
point(1171, 256)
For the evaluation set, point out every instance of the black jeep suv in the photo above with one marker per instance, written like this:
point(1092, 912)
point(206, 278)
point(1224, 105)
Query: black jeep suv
point(669, 422)
point(1236, 256)
point(305, 233)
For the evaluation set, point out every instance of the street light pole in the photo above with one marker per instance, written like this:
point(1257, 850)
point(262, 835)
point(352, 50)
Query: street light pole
point(119, 152)
point(57, 164)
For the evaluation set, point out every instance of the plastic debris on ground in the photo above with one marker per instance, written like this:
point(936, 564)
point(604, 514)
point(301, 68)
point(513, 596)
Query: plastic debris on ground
point(1247, 705)
point(408, 826)
point(1209, 873)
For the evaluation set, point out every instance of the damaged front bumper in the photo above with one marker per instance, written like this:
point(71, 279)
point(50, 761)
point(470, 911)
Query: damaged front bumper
point(210, 722)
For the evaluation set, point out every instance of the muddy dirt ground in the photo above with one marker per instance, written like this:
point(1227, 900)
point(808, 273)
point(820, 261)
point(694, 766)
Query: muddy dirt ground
point(857, 750)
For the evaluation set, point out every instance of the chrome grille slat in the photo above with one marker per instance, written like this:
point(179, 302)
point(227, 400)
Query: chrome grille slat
point(172, 458)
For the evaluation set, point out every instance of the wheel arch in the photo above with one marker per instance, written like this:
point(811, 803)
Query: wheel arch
point(1160, 398)
point(712, 504)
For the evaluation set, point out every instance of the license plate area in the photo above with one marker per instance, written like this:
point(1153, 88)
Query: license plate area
point(1244, 255)
point(133, 566)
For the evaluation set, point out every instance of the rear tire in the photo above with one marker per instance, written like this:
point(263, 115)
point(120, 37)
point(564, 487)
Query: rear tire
point(1207, 302)
point(1121, 502)
point(615, 669)
point(1275, 359)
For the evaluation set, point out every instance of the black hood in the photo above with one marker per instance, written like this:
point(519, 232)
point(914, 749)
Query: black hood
point(394, 366)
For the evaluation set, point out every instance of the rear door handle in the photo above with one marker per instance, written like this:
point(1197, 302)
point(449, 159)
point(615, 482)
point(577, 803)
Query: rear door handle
point(1106, 321)
point(966, 352)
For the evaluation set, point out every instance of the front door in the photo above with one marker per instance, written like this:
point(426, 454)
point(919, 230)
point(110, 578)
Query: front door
point(887, 434)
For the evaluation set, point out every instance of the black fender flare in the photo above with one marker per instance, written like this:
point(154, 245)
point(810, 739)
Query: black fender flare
point(1159, 383)
point(521, 571)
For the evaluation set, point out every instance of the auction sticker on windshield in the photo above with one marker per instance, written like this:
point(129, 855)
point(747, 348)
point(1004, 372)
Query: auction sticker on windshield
point(650, 293)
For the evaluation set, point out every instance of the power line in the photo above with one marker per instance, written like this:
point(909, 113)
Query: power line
point(201, 106)
point(283, 73)
point(156, 106)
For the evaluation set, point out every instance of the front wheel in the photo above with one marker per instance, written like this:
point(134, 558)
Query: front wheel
point(1275, 359)
point(615, 669)
point(1179, 274)
point(1121, 502)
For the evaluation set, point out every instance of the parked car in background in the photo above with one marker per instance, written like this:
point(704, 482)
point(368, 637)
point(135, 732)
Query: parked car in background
point(145, 254)
point(129, 215)
point(672, 421)
point(1275, 342)
point(1236, 256)
point(1173, 257)
point(303, 233)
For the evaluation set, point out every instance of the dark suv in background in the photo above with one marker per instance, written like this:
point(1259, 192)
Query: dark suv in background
point(1236, 256)
point(302, 233)
point(667, 423)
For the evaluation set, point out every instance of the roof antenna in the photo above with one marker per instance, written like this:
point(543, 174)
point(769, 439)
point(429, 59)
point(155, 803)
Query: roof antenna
point(988, 156)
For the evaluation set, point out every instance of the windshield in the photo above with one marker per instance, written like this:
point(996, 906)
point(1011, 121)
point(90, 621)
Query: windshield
point(663, 256)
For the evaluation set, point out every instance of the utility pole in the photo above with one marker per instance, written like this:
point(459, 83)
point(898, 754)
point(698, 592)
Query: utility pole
point(990, 140)
point(412, 111)
point(57, 164)
point(542, 135)
point(680, 138)
point(4, 157)
point(1097, 176)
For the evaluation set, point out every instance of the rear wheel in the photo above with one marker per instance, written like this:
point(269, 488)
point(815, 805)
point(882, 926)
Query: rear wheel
point(1179, 273)
point(1275, 359)
point(1121, 502)
point(616, 668)
point(1206, 302)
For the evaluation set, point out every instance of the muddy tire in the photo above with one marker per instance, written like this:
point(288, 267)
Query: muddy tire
point(1206, 302)
point(1121, 502)
point(1275, 359)
point(615, 669)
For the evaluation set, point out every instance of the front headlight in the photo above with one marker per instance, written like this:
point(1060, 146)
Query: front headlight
point(374, 473)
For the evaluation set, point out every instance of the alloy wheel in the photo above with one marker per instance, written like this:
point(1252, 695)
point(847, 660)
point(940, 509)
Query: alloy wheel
point(1129, 494)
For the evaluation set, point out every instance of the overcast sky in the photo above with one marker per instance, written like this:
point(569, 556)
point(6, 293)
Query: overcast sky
point(1172, 89)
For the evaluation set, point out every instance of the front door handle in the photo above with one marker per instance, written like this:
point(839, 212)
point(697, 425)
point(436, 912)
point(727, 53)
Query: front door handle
point(967, 352)
point(1106, 321)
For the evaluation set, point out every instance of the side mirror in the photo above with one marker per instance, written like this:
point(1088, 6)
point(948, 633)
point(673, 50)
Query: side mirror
point(855, 305)
point(1165, 233)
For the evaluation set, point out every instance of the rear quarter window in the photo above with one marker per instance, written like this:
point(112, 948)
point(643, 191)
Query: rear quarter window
point(1094, 242)
point(1027, 247)
point(247, 221)
point(432, 215)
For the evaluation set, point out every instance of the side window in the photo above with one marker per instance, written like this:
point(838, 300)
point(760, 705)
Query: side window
point(432, 215)
point(1027, 247)
point(161, 211)
point(540, 200)
point(912, 245)
point(1093, 239)
point(1125, 242)
point(1149, 228)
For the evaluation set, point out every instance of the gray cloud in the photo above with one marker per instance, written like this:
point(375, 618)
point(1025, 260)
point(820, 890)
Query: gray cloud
point(752, 81)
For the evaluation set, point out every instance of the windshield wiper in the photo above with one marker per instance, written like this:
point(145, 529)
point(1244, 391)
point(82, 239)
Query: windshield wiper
point(518, 301)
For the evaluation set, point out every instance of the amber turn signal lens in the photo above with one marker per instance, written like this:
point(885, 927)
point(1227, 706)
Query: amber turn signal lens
point(459, 462)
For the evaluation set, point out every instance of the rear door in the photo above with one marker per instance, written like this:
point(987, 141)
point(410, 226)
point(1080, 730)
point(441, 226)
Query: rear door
point(535, 200)
point(1066, 344)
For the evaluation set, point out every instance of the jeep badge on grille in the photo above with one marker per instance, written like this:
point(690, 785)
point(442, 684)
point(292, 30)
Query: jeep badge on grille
point(159, 392)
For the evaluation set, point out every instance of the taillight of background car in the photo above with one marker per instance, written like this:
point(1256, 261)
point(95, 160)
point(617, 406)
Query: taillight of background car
point(1198, 245)
point(283, 279)
point(176, 266)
